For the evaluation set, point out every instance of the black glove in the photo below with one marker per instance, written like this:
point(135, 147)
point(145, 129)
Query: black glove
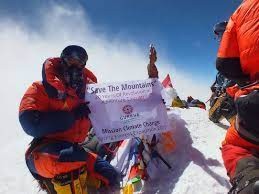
point(82, 111)
point(72, 154)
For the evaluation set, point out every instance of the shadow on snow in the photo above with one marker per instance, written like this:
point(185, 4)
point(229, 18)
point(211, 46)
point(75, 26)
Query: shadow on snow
point(184, 154)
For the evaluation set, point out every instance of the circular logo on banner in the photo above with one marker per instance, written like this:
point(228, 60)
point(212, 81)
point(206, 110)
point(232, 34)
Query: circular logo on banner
point(127, 109)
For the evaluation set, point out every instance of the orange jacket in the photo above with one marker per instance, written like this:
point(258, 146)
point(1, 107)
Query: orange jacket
point(238, 54)
point(232, 90)
point(37, 98)
point(233, 138)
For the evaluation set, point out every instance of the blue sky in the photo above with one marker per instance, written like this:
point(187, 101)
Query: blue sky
point(182, 31)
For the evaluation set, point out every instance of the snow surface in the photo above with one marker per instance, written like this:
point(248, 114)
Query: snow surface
point(197, 163)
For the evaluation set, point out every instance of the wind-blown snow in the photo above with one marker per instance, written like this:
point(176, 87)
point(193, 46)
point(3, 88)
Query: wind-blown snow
point(197, 163)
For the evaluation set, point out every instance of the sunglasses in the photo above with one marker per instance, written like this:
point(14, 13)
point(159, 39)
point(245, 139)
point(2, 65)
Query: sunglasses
point(74, 62)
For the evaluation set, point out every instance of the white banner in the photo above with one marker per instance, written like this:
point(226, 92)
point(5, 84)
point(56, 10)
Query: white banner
point(124, 110)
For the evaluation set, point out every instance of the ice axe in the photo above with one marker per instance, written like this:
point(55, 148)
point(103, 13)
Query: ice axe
point(154, 152)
